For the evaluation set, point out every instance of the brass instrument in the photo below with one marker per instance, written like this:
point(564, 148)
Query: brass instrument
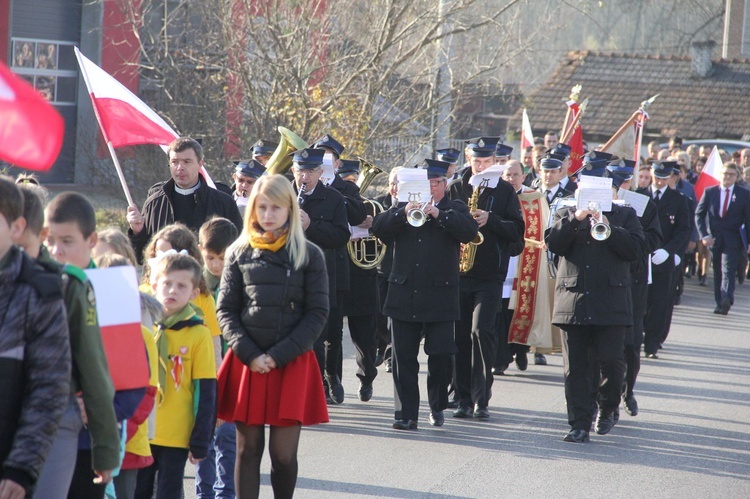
point(280, 161)
point(367, 252)
point(416, 216)
point(469, 250)
point(600, 230)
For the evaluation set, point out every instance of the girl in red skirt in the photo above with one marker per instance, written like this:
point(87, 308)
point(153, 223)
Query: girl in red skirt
point(272, 305)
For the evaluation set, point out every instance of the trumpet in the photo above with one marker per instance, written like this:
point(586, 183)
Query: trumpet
point(600, 230)
point(416, 216)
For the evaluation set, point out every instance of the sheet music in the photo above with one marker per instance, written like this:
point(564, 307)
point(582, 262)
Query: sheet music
point(589, 181)
point(413, 185)
point(491, 175)
point(359, 232)
point(588, 194)
point(636, 201)
point(328, 173)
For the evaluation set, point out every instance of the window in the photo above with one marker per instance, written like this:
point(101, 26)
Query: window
point(49, 66)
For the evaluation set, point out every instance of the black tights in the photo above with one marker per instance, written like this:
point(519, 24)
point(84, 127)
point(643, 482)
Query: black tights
point(282, 445)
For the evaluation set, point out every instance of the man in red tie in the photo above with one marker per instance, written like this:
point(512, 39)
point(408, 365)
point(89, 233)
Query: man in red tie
point(723, 220)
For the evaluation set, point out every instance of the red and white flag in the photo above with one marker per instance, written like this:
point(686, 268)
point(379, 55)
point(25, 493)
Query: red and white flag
point(118, 308)
point(575, 140)
point(527, 136)
point(31, 130)
point(710, 175)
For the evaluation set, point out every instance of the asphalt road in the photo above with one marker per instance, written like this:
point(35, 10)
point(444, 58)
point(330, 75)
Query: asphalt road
point(691, 438)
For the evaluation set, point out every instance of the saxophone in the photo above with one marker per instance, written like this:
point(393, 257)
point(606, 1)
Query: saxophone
point(469, 250)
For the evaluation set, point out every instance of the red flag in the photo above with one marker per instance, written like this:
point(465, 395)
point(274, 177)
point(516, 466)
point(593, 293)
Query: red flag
point(576, 139)
point(31, 130)
point(710, 175)
point(527, 137)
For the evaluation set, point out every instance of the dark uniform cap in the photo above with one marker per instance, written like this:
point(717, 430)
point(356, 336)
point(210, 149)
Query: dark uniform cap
point(625, 168)
point(436, 168)
point(560, 151)
point(664, 169)
point(597, 159)
point(449, 155)
point(482, 147)
point(617, 179)
point(348, 166)
point(307, 159)
point(503, 150)
point(264, 147)
point(250, 168)
point(550, 163)
point(330, 143)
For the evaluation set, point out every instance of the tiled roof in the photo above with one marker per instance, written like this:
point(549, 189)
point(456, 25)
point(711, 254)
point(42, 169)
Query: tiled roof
point(717, 106)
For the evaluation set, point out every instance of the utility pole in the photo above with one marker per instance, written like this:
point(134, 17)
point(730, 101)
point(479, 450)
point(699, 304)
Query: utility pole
point(443, 76)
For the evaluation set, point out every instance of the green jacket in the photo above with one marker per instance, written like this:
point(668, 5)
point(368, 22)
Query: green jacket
point(90, 370)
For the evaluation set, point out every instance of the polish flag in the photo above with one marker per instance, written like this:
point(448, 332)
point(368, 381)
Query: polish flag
point(124, 119)
point(527, 137)
point(118, 309)
point(710, 175)
point(31, 130)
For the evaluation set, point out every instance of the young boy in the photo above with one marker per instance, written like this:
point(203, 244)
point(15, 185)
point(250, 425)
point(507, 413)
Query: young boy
point(214, 476)
point(70, 224)
point(186, 400)
point(35, 360)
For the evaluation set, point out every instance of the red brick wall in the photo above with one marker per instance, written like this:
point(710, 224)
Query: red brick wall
point(4, 29)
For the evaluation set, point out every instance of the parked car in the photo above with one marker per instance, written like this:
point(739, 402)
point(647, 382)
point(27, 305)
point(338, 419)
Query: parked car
point(728, 145)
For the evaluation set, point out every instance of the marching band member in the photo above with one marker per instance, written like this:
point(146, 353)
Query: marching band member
point(423, 291)
point(263, 150)
point(245, 175)
point(500, 221)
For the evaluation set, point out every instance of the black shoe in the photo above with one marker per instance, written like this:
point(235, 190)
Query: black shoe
point(725, 306)
point(677, 299)
point(388, 365)
point(463, 411)
point(540, 360)
point(436, 418)
point(577, 436)
point(631, 405)
point(499, 370)
point(365, 392)
point(329, 400)
point(452, 404)
point(702, 280)
point(604, 422)
point(337, 389)
point(404, 424)
point(717, 310)
point(616, 415)
point(652, 356)
point(379, 360)
point(481, 412)
point(522, 362)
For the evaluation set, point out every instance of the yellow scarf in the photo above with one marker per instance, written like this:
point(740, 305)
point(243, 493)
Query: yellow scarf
point(272, 241)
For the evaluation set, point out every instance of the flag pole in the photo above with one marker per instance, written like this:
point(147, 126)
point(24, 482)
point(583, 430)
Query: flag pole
point(104, 132)
point(619, 132)
point(639, 139)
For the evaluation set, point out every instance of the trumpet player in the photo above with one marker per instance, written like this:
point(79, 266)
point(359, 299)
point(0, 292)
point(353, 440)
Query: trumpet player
point(422, 298)
point(497, 212)
point(593, 307)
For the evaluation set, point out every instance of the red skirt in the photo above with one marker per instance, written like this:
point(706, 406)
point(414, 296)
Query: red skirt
point(287, 396)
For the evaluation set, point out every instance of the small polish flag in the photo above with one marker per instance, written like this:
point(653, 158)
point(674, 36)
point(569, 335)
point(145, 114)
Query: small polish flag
point(527, 137)
point(31, 130)
point(118, 308)
point(710, 175)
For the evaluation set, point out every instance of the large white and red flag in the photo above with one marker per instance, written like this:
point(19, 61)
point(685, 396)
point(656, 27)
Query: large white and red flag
point(710, 175)
point(118, 309)
point(527, 136)
point(31, 130)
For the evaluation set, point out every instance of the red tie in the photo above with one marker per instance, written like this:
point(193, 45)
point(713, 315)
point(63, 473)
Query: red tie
point(726, 203)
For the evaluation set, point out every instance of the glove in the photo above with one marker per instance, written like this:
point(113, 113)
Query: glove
point(660, 256)
point(677, 260)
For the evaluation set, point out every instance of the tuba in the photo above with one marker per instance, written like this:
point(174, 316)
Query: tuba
point(280, 161)
point(367, 252)
point(469, 250)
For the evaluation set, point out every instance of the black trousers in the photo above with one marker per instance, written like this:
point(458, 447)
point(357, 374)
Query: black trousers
point(476, 339)
point(383, 321)
point(327, 347)
point(505, 350)
point(170, 463)
point(658, 310)
point(363, 331)
point(589, 350)
point(634, 333)
point(725, 265)
point(82, 485)
point(439, 347)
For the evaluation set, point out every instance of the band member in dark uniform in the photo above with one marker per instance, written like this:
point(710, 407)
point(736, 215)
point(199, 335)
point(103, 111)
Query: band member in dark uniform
point(383, 354)
point(674, 220)
point(323, 214)
point(361, 305)
point(498, 214)
point(422, 296)
point(355, 215)
point(549, 183)
point(246, 173)
point(449, 155)
point(593, 306)
point(622, 172)
point(263, 150)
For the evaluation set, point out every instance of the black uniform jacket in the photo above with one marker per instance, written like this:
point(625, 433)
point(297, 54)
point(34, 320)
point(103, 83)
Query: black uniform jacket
point(504, 225)
point(265, 306)
point(330, 231)
point(652, 232)
point(423, 283)
point(593, 277)
point(674, 220)
point(363, 297)
point(158, 211)
point(385, 266)
point(355, 215)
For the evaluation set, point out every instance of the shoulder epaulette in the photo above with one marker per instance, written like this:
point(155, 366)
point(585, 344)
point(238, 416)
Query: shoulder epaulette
point(76, 272)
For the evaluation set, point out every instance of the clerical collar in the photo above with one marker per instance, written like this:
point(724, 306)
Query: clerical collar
point(187, 192)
